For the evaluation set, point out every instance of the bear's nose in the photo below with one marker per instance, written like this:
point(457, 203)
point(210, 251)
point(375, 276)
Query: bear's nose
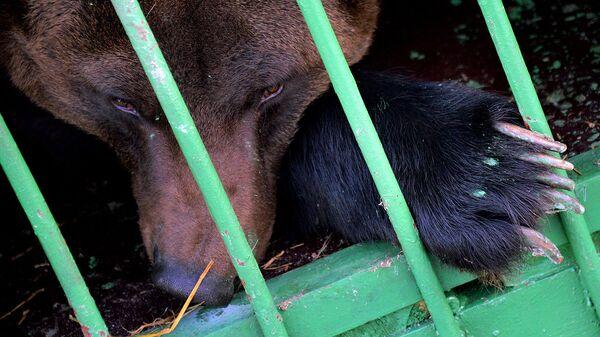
point(215, 290)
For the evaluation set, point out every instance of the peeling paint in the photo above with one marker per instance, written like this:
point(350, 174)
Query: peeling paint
point(382, 264)
point(157, 72)
point(141, 30)
point(286, 304)
point(86, 331)
point(383, 204)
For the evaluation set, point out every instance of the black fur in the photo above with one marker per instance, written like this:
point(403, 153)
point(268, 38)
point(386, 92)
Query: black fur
point(467, 190)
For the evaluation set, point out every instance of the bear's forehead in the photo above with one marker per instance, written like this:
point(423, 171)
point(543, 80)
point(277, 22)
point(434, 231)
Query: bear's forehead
point(201, 35)
point(223, 21)
point(207, 43)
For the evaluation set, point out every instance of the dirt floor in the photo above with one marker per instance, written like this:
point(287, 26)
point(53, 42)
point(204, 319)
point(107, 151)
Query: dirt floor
point(89, 192)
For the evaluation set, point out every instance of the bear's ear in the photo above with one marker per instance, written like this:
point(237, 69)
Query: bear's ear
point(17, 60)
point(358, 9)
point(354, 25)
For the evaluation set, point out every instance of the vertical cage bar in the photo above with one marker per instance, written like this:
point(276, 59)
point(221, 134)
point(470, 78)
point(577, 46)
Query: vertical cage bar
point(47, 231)
point(366, 136)
point(156, 68)
point(529, 105)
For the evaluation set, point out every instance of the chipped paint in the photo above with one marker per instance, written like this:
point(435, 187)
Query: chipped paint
point(141, 30)
point(183, 128)
point(286, 304)
point(86, 331)
point(382, 264)
point(157, 72)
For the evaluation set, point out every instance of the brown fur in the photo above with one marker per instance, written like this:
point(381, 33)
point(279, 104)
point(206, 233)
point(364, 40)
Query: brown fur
point(72, 57)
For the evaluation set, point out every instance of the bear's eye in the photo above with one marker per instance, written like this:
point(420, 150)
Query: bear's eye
point(125, 106)
point(271, 92)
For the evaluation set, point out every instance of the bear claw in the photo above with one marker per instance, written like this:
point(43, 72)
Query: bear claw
point(561, 202)
point(547, 160)
point(529, 136)
point(539, 245)
point(557, 181)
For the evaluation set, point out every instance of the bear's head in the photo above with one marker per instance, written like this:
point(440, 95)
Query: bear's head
point(246, 69)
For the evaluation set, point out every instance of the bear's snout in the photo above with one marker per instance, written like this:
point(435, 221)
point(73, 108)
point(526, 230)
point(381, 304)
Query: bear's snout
point(178, 279)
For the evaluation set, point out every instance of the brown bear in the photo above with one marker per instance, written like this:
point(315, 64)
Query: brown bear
point(231, 59)
point(248, 71)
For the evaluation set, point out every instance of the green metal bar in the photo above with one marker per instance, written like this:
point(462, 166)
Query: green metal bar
point(51, 239)
point(527, 100)
point(178, 115)
point(378, 164)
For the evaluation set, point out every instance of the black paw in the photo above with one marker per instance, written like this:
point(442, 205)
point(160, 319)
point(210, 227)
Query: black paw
point(475, 181)
point(478, 204)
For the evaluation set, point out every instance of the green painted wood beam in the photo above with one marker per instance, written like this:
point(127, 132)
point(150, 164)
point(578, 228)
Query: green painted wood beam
point(555, 305)
point(166, 90)
point(51, 239)
point(364, 282)
point(531, 110)
point(377, 162)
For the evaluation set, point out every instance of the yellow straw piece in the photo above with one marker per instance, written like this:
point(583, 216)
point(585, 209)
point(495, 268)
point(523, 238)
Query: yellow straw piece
point(185, 305)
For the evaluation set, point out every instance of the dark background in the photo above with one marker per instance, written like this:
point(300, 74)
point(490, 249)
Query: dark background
point(89, 193)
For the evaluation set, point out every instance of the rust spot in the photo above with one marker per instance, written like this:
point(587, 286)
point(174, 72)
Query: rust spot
point(279, 318)
point(386, 263)
point(422, 306)
point(86, 331)
point(382, 264)
point(141, 32)
point(240, 263)
point(285, 304)
point(526, 122)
